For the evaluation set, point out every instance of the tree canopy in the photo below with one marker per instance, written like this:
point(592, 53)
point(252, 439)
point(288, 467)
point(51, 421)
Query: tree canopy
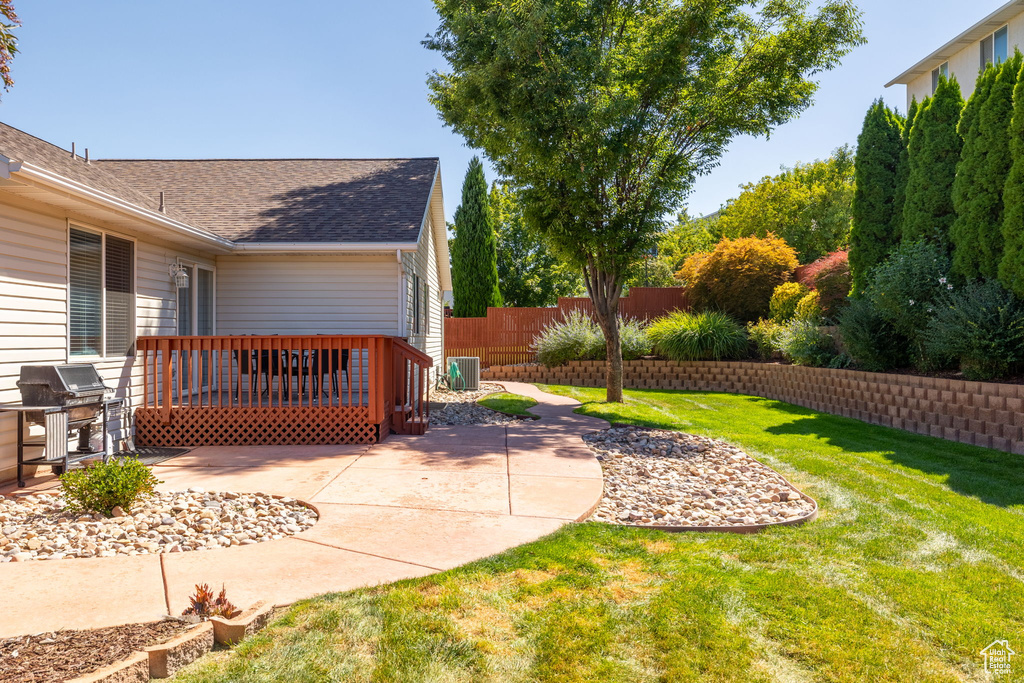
point(8, 41)
point(529, 274)
point(603, 112)
point(808, 205)
point(878, 158)
point(474, 249)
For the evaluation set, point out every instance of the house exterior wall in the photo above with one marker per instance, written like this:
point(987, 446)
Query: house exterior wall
point(34, 307)
point(294, 294)
point(423, 262)
point(966, 63)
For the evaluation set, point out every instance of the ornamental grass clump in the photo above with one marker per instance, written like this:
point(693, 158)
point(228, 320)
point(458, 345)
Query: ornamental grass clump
point(708, 335)
point(106, 485)
point(578, 337)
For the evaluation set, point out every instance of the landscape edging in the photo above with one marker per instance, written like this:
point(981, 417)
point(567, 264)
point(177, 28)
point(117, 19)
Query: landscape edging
point(984, 414)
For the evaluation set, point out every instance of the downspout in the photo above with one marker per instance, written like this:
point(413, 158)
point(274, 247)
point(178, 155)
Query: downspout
point(403, 321)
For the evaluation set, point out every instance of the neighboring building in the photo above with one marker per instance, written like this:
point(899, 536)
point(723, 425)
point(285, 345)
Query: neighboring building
point(992, 39)
point(271, 246)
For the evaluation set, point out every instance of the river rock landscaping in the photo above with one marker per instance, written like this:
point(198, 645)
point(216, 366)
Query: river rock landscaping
point(657, 477)
point(40, 527)
point(461, 407)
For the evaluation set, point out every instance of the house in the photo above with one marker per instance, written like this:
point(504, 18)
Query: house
point(297, 248)
point(992, 39)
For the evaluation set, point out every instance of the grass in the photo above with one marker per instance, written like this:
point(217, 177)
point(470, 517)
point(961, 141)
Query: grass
point(513, 404)
point(915, 564)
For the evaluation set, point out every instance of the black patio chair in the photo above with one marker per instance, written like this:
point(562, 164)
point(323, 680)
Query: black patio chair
point(325, 362)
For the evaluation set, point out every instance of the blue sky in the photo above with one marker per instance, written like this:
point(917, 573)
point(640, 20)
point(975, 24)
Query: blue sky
point(347, 79)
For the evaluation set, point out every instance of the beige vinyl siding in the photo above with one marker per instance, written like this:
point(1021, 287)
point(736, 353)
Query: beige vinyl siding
point(966, 63)
point(423, 262)
point(33, 303)
point(292, 294)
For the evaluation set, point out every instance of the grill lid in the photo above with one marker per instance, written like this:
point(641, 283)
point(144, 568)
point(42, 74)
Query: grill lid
point(55, 384)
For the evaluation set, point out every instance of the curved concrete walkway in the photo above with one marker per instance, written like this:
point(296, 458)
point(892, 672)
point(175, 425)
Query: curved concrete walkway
point(407, 507)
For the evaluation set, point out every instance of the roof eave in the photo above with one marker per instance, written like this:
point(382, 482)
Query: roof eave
point(979, 30)
point(321, 247)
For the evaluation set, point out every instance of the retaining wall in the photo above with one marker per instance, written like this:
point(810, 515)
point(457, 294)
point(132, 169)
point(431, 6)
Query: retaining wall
point(980, 413)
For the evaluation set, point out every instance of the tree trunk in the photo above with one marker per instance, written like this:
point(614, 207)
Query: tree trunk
point(605, 289)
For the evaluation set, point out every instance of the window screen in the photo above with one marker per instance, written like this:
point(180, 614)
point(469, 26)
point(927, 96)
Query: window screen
point(204, 301)
point(119, 280)
point(85, 292)
point(185, 304)
point(1001, 45)
point(986, 51)
point(416, 304)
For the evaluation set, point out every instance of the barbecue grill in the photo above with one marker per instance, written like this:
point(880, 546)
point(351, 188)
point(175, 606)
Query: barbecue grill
point(64, 399)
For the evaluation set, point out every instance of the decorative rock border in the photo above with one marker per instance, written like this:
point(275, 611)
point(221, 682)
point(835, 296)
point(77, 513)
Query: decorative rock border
point(164, 660)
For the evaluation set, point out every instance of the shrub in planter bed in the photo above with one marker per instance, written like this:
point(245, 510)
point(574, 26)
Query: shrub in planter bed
point(739, 276)
point(982, 327)
point(104, 486)
point(766, 337)
point(804, 342)
point(830, 277)
point(709, 335)
point(809, 308)
point(784, 300)
point(579, 337)
point(873, 343)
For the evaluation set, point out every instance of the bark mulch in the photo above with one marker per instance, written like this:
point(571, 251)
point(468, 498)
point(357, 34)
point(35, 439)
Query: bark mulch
point(60, 655)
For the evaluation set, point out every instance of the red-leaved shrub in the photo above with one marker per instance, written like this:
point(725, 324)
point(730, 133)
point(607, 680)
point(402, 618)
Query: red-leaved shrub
point(830, 277)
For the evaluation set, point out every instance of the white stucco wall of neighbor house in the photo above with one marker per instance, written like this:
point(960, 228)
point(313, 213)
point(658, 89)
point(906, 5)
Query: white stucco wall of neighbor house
point(962, 57)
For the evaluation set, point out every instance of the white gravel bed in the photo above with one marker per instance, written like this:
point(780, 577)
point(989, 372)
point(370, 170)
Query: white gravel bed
point(663, 478)
point(462, 409)
point(38, 527)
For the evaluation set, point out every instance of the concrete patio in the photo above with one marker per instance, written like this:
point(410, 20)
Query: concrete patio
point(407, 507)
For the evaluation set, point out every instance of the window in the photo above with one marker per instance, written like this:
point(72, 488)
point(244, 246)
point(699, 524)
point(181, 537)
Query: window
point(101, 294)
point(995, 48)
point(426, 308)
point(941, 70)
point(415, 304)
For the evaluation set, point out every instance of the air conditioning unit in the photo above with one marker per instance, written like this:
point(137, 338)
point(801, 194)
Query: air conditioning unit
point(469, 366)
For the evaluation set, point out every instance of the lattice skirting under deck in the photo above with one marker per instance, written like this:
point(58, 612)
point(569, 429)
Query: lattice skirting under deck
point(310, 425)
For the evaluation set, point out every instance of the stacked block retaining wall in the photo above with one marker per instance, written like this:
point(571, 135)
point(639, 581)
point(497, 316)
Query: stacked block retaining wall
point(980, 413)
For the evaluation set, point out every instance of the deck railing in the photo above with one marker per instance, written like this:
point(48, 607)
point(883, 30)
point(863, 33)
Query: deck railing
point(279, 389)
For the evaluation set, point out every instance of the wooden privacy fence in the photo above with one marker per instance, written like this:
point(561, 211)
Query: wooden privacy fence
point(277, 390)
point(505, 336)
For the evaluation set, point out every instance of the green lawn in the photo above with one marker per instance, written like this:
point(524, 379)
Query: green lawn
point(915, 564)
point(513, 404)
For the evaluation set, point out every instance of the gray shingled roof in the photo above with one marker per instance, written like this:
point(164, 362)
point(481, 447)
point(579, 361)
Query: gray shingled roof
point(291, 200)
point(257, 200)
point(20, 146)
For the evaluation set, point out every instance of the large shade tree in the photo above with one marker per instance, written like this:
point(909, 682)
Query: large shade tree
point(603, 112)
point(8, 42)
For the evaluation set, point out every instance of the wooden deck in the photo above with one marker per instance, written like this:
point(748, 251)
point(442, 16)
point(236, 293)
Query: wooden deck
point(277, 390)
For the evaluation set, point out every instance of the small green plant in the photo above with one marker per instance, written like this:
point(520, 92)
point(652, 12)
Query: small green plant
point(708, 335)
point(805, 343)
point(635, 342)
point(104, 486)
point(809, 308)
point(785, 299)
point(766, 336)
point(204, 604)
point(982, 327)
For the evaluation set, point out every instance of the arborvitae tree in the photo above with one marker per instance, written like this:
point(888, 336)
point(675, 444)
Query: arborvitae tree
point(934, 153)
point(474, 249)
point(1011, 266)
point(903, 171)
point(876, 168)
point(994, 126)
point(964, 231)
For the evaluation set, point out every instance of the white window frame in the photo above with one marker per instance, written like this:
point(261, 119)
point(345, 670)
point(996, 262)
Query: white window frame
point(86, 358)
point(194, 290)
point(991, 37)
